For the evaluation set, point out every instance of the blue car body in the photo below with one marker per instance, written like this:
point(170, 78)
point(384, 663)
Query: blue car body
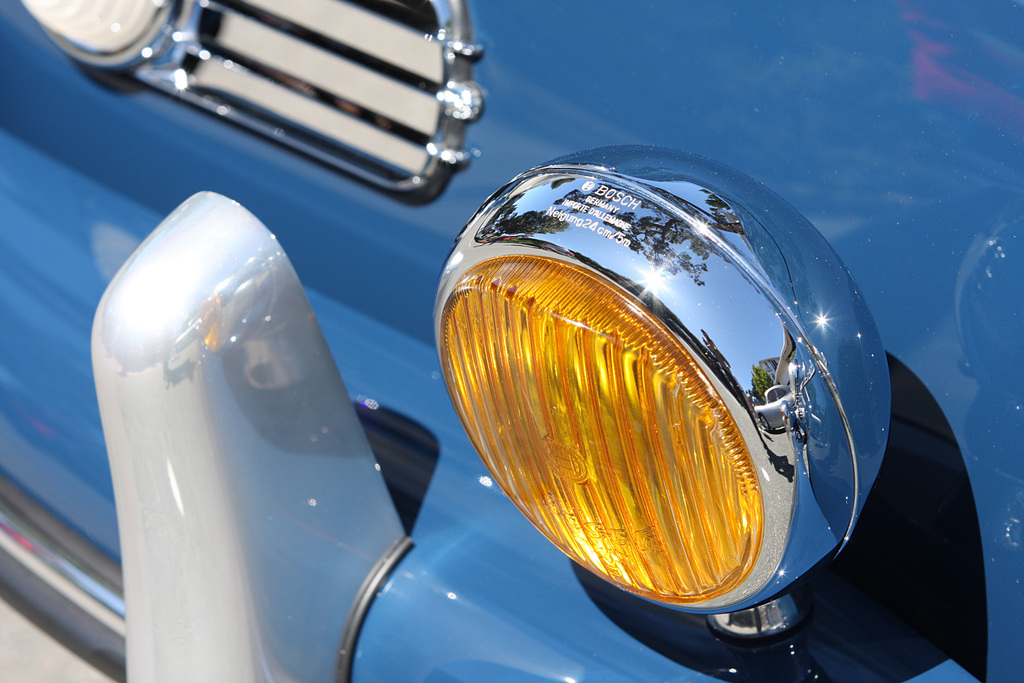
point(896, 127)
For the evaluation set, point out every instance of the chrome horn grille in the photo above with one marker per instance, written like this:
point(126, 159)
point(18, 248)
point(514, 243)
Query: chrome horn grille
point(380, 89)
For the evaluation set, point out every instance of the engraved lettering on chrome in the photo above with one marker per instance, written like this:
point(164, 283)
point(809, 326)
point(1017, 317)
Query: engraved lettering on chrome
point(595, 202)
point(603, 204)
point(617, 196)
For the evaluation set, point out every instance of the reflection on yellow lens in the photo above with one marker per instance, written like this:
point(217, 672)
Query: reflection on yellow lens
point(599, 425)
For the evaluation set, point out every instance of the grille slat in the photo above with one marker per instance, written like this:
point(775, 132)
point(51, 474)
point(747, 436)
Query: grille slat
point(350, 82)
point(363, 30)
point(240, 85)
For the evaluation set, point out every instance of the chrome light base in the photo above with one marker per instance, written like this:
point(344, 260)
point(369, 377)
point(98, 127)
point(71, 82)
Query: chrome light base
point(772, 618)
point(758, 298)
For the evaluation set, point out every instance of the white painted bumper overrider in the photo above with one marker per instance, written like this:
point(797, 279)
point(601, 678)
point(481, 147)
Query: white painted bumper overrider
point(250, 509)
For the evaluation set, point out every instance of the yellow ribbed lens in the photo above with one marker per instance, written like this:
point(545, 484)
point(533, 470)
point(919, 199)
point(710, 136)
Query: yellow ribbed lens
point(599, 425)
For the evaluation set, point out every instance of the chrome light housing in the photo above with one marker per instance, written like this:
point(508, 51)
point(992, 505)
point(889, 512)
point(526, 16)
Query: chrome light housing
point(668, 370)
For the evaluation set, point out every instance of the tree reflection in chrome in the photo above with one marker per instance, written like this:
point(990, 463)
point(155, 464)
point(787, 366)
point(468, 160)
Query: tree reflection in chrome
point(669, 243)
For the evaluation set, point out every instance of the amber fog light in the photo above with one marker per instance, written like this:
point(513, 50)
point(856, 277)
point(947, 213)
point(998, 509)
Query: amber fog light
point(602, 428)
point(651, 372)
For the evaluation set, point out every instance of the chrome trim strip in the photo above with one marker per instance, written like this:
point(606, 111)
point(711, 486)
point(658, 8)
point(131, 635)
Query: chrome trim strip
point(366, 31)
point(70, 577)
point(412, 107)
point(232, 79)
